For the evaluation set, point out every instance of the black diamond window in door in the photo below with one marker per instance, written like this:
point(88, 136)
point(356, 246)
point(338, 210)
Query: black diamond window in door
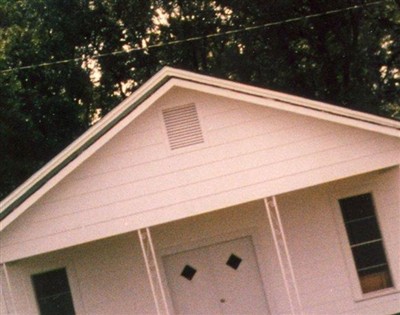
point(188, 272)
point(234, 261)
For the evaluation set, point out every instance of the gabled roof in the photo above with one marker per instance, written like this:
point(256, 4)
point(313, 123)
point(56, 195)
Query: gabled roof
point(82, 148)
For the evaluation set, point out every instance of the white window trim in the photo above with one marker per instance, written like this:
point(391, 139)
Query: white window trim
point(350, 191)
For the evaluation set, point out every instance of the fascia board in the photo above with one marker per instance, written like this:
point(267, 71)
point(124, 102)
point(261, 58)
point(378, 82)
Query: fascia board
point(285, 98)
point(323, 111)
point(295, 103)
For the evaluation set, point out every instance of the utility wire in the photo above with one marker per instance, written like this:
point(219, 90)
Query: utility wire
point(192, 39)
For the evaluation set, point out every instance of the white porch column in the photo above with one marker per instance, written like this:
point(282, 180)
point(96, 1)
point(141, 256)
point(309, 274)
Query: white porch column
point(7, 293)
point(153, 271)
point(285, 262)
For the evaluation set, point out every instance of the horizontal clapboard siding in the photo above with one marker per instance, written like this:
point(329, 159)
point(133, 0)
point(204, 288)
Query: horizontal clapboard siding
point(291, 155)
point(249, 152)
point(90, 212)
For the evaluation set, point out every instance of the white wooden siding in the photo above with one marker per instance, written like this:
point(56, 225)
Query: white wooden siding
point(135, 180)
point(108, 276)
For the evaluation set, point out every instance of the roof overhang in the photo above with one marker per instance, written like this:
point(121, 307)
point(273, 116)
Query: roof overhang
point(94, 138)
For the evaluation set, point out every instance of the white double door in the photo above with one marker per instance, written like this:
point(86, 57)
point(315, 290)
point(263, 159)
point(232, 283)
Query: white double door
point(219, 279)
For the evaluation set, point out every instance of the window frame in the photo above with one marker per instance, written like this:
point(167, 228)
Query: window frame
point(348, 191)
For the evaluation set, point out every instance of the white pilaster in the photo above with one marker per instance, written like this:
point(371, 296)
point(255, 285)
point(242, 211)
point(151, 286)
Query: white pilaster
point(8, 296)
point(281, 247)
point(153, 271)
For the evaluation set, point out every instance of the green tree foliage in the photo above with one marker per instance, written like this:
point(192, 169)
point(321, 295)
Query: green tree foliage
point(44, 108)
point(40, 111)
point(349, 58)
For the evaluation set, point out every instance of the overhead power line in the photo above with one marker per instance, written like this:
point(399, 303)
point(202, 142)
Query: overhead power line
point(196, 38)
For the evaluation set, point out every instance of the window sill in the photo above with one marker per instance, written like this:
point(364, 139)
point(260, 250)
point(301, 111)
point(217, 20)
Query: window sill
point(376, 294)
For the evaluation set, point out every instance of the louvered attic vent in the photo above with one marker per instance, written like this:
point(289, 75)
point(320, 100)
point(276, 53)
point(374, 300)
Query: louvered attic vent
point(183, 126)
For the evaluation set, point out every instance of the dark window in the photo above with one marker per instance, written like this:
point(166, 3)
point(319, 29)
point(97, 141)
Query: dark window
point(366, 242)
point(53, 293)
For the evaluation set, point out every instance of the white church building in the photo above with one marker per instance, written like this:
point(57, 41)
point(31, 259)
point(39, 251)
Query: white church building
point(198, 195)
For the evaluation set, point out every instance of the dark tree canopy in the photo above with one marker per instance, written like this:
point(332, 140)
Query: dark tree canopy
point(348, 57)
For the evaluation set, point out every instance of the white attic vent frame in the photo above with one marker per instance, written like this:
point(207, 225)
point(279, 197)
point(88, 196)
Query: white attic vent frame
point(183, 126)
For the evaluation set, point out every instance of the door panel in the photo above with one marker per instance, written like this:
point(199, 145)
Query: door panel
point(192, 292)
point(226, 279)
point(237, 277)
